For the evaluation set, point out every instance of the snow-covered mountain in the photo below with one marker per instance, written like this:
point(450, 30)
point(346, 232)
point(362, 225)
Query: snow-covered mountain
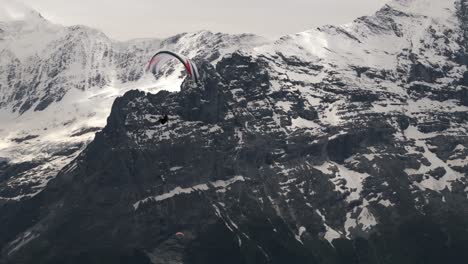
point(343, 144)
point(403, 70)
point(57, 85)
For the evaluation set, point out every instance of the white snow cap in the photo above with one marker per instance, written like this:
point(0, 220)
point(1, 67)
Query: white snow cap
point(12, 10)
point(432, 8)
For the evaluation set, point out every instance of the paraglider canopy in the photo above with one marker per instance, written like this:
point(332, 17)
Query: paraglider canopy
point(163, 56)
point(179, 234)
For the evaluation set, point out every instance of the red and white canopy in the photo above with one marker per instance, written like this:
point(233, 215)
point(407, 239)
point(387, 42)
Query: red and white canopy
point(164, 56)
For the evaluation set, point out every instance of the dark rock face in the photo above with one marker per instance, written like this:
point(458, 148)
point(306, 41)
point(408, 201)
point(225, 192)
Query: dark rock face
point(71, 69)
point(8, 171)
point(420, 72)
point(241, 187)
point(464, 81)
point(272, 158)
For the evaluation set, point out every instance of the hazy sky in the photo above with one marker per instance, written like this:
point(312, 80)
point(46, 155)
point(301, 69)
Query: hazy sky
point(126, 19)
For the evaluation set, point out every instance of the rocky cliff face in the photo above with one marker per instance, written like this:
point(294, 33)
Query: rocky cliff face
point(57, 85)
point(338, 145)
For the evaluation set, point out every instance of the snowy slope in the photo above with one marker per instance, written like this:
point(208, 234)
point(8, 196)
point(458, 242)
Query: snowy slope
point(376, 108)
point(406, 59)
point(335, 145)
point(402, 66)
point(57, 85)
point(57, 91)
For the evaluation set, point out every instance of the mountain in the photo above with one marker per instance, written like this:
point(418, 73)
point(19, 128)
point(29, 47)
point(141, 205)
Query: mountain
point(57, 85)
point(343, 144)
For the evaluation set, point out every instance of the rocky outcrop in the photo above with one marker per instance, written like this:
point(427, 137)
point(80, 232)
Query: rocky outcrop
point(232, 173)
point(301, 151)
point(68, 82)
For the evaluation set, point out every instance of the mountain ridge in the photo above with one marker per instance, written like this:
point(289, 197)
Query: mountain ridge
point(297, 151)
point(79, 71)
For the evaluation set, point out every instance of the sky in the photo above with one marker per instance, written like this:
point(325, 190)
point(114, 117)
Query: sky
point(128, 19)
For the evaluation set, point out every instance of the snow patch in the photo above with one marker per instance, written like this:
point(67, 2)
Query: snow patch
point(175, 168)
point(22, 241)
point(285, 105)
point(430, 182)
point(301, 231)
point(304, 123)
point(218, 185)
point(330, 233)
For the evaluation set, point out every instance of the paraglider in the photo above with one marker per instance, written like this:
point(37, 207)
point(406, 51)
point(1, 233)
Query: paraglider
point(162, 57)
point(179, 234)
